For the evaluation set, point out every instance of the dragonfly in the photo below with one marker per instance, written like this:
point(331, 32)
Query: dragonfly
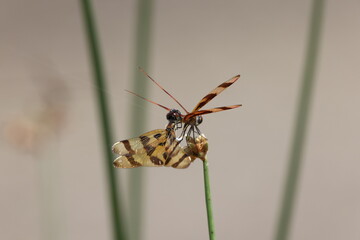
point(161, 147)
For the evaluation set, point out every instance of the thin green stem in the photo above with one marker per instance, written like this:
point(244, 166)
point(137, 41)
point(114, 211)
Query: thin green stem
point(99, 79)
point(209, 212)
point(293, 172)
point(138, 114)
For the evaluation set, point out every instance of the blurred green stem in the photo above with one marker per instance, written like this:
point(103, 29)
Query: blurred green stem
point(210, 217)
point(138, 114)
point(308, 79)
point(94, 49)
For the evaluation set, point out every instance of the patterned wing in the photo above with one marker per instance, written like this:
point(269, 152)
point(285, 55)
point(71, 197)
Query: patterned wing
point(212, 110)
point(145, 150)
point(152, 149)
point(215, 92)
point(175, 155)
point(179, 158)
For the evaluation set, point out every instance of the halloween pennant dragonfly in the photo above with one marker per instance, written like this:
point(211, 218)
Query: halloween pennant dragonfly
point(161, 147)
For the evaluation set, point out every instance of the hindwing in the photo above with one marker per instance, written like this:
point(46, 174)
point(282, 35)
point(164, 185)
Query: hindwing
point(152, 149)
point(145, 150)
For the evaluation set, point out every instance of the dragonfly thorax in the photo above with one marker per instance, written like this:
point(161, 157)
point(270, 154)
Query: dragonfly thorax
point(193, 121)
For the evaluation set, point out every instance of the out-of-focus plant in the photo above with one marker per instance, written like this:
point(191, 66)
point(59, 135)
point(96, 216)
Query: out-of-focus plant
point(31, 128)
point(300, 126)
point(95, 58)
point(34, 131)
point(137, 120)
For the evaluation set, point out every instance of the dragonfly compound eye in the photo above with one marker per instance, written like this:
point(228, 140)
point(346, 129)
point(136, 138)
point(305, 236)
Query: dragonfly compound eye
point(199, 120)
point(174, 115)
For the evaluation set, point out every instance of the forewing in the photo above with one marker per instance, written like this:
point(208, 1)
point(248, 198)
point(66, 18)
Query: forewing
point(212, 110)
point(145, 150)
point(138, 145)
point(215, 92)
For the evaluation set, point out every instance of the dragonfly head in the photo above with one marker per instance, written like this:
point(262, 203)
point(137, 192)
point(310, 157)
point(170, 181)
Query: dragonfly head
point(174, 116)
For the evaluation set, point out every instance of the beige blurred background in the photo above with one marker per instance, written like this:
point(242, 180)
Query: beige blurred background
point(195, 45)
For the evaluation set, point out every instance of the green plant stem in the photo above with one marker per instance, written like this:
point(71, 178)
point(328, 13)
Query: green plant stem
point(293, 172)
point(209, 212)
point(99, 79)
point(138, 114)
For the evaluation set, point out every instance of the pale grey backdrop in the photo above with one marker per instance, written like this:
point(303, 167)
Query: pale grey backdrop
point(195, 46)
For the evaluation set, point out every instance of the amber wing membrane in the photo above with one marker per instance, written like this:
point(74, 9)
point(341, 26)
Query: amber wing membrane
point(216, 91)
point(175, 155)
point(152, 149)
point(207, 111)
point(145, 150)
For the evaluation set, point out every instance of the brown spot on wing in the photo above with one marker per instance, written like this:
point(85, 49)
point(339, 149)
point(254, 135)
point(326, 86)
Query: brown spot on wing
point(128, 146)
point(216, 91)
point(206, 99)
point(144, 140)
point(126, 161)
point(175, 165)
point(207, 111)
point(165, 156)
point(156, 160)
point(132, 160)
point(149, 149)
point(157, 136)
point(225, 84)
